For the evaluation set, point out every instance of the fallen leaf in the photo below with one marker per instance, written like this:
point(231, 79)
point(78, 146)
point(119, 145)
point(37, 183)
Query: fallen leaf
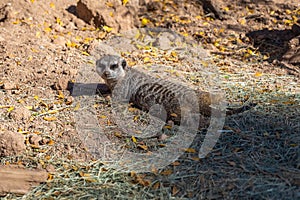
point(144, 147)
point(107, 29)
point(145, 21)
point(49, 118)
point(190, 150)
point(166, 172)
point(133, 139)
point(258, 74)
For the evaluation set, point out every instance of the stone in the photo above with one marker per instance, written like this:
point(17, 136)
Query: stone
point(11, 143)
point(61, 84)
point(20, 114)
point(35, 139)
point(97, 13)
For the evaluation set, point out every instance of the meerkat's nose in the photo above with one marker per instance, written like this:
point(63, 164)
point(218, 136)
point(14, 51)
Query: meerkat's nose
point(106, 73)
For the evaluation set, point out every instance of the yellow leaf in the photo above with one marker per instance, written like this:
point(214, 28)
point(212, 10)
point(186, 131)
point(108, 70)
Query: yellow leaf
point(77, 107)
point(288, 12)
point(50, 118)
point(136, 118)
point(258, 74)
point(10, 109)
point(108, 122)
point(109, 4)
point(29, 107)
point(51, 142)
point(52, 5)
point(145, 21)
point(87, 40)
point(242, 21)
point(85, 53)
point(166, 172)
point(102, 35)
point(118, 134)
point(47, 157)
point(133, 139)
point(47, 29)
point(124, 2)
point(226, 9)
point(190, 150)
point(59, 22)
point(144, 147)
point(168, 127)
point(34, 50)
point(71, 44)
point(16, 22)
point(50, 177)
point(174, 54)
point(52, 111)
point(295, 19)
point(195, 158)
point(185, 34)
point(107, 29)
point(288, 22)
point(265, 57)
point(131, 109)
point(38, 34)
point(91, 180)
point(60, 95)
point(146, 59)
point(103, 116)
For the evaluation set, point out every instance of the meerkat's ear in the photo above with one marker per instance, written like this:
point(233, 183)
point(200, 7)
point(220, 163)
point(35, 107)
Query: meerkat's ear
point(97, 62)
point(124, 63)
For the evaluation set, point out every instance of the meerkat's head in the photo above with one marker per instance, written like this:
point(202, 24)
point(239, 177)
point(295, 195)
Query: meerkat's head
point(112, 69)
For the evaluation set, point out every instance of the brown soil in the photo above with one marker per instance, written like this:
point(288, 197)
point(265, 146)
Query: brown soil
point(44, 44)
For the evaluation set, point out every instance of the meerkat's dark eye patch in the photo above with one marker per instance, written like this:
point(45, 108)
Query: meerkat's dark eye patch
point(113, 66)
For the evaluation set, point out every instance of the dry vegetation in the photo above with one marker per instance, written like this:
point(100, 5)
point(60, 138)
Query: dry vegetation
point(45, 49)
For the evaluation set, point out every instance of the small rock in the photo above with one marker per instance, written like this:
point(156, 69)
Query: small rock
point(69, 100)
point(9, 85)
point(20, 114)
point(71, 26)
point(44, 141)
point(61, 84)
point(73, 72)
point(58, 28)
point(50, 168)
point(11, 143)
point(60, 40)
point(35, 139)
point(1, 39)
point(6, 13)
point(118, 17)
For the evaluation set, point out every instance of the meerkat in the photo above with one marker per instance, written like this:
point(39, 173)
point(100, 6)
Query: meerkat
point(144, 91)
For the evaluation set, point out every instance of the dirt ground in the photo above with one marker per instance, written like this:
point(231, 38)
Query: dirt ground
point(44, 44)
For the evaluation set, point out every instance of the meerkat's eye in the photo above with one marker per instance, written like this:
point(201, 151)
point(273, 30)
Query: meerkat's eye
point(113, 66)
point(124, 64)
